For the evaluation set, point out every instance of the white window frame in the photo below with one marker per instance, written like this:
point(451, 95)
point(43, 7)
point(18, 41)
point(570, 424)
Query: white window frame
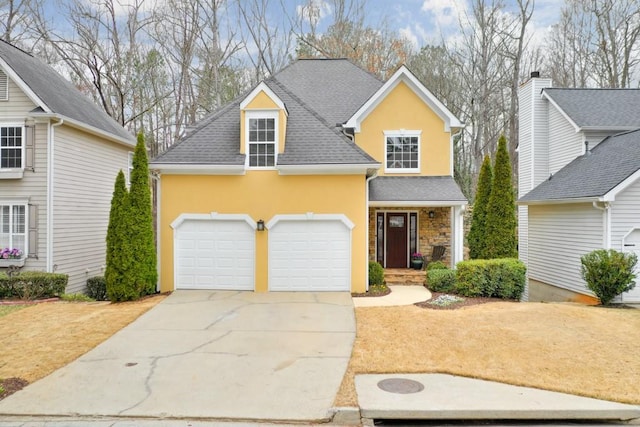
point(22, 146)
point(129, 166)
point(402, 133)
point(11, 204)
point(262, 114)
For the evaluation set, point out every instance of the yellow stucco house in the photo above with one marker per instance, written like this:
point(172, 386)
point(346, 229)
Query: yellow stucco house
point(296, 185)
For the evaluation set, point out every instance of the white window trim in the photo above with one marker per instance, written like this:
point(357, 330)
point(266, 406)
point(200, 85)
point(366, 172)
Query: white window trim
point(129, 166)
point(13, 173)
point(25, 203)
point(261, 114)
point(402, 133)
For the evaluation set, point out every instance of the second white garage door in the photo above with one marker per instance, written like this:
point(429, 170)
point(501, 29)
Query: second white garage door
point(310, 255)
point(214, 254)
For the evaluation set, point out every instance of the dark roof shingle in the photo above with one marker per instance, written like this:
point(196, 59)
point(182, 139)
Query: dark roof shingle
point(599, 108)
point(595, 174)
point(59, 95)
point(415, 189)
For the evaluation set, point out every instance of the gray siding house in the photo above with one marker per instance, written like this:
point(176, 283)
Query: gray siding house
point(59, 156)
point(579, 183)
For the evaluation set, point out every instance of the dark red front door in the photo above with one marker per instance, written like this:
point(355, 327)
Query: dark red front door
point(397, 240)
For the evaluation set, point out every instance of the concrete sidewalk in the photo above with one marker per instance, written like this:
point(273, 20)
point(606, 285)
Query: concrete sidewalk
point(448, 397)
point(400, 295)
point(209, 355)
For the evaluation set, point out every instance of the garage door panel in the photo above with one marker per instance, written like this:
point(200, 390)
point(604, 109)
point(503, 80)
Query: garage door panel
point(310, 256)
point(215, 254)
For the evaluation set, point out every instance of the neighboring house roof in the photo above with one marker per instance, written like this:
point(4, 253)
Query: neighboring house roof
point(54, 94)
point(598, 108)
point(594, 175)
point(318, 94)
point(415, 189)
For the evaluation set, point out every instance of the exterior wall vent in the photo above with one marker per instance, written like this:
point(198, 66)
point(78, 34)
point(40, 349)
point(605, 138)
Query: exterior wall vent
point(4, 86)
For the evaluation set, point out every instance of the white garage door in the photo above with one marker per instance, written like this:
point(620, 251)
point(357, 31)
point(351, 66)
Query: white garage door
point(214, 254)
point(310, 255)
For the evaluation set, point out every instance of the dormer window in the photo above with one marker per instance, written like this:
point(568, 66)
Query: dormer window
point(262, 136)
point(402, 151)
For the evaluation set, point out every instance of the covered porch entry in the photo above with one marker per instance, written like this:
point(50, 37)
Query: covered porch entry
point(414, 215)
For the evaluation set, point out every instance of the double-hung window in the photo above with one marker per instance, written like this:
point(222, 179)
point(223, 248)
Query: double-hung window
point(402, 151)
point(13, 226)
point(261, 139)
point(11, 147)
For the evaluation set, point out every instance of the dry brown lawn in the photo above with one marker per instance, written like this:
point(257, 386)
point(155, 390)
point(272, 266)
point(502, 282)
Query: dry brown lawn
point(589, 351)
point(39, 339)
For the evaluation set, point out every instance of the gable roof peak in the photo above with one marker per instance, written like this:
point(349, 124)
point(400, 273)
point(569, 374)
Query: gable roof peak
point(403, 74)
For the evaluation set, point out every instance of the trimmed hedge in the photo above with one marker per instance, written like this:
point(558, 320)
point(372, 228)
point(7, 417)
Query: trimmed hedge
point(32, 285)
point(376, 273)
point(608, 273)
point(97, 288)
point(501, 278)
point(437, 265)
point(441, 280)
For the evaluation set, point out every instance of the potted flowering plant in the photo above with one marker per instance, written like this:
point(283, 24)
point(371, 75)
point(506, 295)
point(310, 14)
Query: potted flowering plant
point(11, 256)
point(417, 261)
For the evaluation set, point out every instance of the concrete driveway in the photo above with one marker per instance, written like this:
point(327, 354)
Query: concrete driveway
point(212, 355)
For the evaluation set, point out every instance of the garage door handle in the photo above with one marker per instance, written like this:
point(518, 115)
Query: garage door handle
point(629, 244)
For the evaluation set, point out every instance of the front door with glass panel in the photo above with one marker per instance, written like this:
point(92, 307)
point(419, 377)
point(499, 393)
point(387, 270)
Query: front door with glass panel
point(396, 238)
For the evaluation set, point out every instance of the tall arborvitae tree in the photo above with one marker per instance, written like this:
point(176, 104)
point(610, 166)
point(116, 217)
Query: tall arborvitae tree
point(501, 211)
point(119, 281)
point(477, 233)
point(144, 251)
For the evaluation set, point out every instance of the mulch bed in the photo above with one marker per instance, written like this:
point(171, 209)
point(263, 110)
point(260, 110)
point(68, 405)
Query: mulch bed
point(374, 291)
point(27, 302)
point(11, 385)
point(466, 302)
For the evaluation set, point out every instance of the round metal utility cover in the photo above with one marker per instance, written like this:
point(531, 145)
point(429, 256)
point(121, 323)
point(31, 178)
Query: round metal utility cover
point(400, 386)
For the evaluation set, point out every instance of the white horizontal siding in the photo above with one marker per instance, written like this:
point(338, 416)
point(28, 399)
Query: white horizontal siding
point(85, 172)
point(525, 132)
point(625, 216)
point(596, 138)
point(18, 105)
point(558, 236)
point(33, 187)
point(523, 241)
point(565, 144)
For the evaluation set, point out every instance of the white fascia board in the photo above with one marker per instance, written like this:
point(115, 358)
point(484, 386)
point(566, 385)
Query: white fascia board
point(262, 87)
point(191, 169)
point(403, 74)
point(564, 114)
point(328, 169)
point(23, 86)
point(559, 201)
point(609, 128)
point(420, 203)
point(86, 127)
point(611, 195)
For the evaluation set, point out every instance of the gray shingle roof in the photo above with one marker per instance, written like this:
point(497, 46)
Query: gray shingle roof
point(415, 189)
point(317, 94)
point(57, 93)
point(599, 108)
point(334, 88)
point(592, 175)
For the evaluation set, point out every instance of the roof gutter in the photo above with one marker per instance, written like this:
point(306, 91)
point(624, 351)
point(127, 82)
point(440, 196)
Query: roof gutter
point(559, 201)
point(88, 128)
point(197, 169)
point(327, 169)
point(418, 203)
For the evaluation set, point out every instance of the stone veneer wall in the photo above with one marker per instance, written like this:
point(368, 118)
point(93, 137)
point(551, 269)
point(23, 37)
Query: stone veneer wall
point(431, 232)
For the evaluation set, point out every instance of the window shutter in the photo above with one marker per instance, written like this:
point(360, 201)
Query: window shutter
point(33, 231)
point(29, 143)
point(4, 87)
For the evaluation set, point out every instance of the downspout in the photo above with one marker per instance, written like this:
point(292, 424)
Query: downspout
point(366, 246)
point(155, 175)
point(606, 222)
point(50, 267)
